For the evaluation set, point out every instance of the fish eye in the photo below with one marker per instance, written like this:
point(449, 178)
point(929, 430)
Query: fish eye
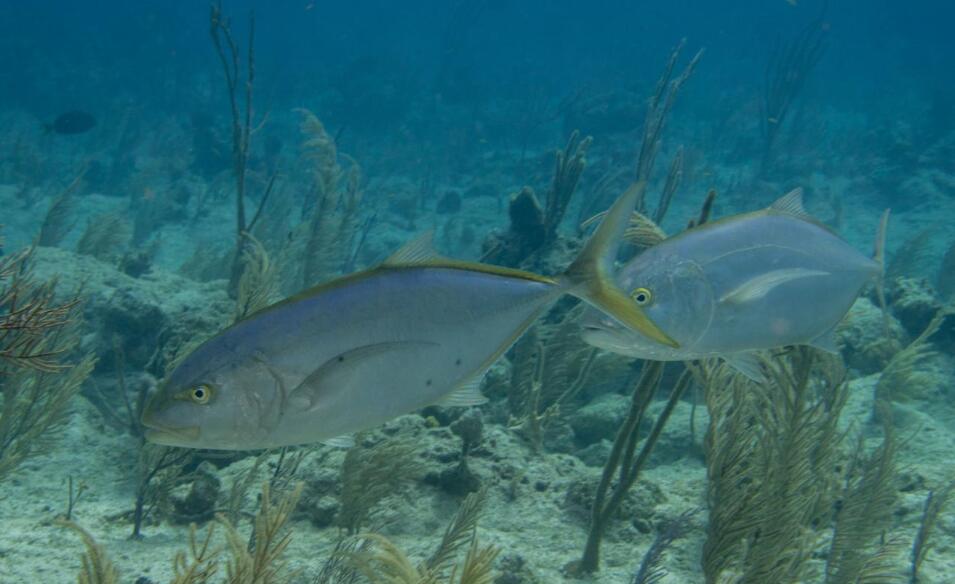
point(642, 296)
point(200, 394)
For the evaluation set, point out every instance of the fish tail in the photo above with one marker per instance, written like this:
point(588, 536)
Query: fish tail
point(879, 253)
point(879, 257)
point(590, 276)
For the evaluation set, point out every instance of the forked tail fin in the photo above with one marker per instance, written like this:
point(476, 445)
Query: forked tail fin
point(590, 277)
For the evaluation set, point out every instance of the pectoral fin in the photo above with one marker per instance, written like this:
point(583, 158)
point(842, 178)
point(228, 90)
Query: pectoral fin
point(341, 370)
point(758, 287)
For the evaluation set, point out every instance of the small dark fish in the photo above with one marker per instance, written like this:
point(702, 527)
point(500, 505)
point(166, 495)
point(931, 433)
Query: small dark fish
point(72, 122)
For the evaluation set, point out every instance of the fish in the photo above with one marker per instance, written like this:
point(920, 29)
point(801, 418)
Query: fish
point(72, 122)
point(746, 283)
point(365, 348)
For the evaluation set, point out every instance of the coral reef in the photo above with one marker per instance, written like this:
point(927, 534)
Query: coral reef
point(862, 339)
point(216, 184)
point(153, 316)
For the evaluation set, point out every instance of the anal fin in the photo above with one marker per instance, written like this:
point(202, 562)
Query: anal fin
point(748, 364)
point(466, 394)
point(827, 341)
point(344, 441)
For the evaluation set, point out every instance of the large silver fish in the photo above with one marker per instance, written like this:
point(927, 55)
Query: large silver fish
point(363, 349)
point(749, 282)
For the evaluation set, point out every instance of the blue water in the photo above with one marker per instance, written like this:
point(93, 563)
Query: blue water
point(439, 114)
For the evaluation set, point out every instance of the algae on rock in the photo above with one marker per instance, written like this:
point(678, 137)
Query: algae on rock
point(258, 559)
point(533, 227)
point(905, 378)
point(96, 566)
point(368, 475)
point(774, 465)
point(379, 561)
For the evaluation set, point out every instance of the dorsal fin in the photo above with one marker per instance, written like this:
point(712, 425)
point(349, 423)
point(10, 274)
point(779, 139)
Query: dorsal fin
point(791, 204)
point(643, 232)
point(419, 250)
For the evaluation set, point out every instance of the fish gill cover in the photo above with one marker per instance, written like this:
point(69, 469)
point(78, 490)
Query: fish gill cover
point(170, 168)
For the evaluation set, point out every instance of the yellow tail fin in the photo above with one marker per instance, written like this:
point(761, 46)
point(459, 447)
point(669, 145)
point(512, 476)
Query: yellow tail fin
point(590, 277)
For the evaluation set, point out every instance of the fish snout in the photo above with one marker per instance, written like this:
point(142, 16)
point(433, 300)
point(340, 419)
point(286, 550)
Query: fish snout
point(608, 334)
point(158, 431)
point(148, 418)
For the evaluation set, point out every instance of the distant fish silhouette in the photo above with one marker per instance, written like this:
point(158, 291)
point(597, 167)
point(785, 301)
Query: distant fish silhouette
point(72, 122)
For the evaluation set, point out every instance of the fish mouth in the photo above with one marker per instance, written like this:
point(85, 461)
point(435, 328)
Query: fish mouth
point(157, 432)
point(173, 436)
point(614, 335)
point(606, 326)
point(602, 337)
point(169, 435)
point(612, 338)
